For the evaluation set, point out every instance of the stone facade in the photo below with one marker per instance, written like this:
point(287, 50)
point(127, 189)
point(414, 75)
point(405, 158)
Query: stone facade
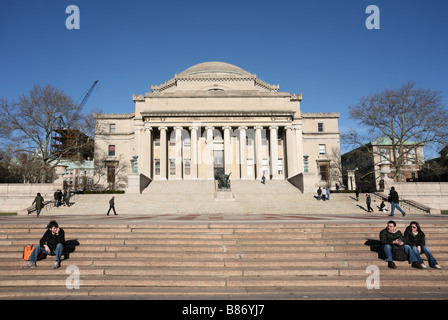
point(217, 117)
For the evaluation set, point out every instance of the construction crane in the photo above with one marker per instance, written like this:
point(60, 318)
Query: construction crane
point(87, 95)
point(62, 136)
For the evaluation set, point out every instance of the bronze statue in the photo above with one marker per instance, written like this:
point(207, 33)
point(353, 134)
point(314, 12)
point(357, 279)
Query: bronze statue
point(224, 180)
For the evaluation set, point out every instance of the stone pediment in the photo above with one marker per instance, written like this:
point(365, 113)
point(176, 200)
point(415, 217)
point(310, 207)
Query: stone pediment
point(219, 74)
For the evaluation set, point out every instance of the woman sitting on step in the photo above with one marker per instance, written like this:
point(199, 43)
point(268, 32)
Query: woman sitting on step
point(415, 238)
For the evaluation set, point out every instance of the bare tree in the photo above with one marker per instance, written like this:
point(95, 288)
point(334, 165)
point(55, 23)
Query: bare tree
point(407, 117)
point(27, 125)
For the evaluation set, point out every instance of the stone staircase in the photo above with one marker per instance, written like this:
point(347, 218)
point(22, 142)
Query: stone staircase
point(218, 261)
point(198, 197)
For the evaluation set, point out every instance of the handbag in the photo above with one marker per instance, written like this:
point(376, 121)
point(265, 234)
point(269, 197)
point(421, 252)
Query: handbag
point(398, 253)
point(27, 250)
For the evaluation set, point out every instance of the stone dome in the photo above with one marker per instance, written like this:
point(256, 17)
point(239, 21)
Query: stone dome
point(214, 67)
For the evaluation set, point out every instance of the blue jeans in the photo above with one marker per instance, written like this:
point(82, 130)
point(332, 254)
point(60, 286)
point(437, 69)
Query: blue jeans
point(431, 260)
point(387, 249)
point(38, 249)
point(393, 206)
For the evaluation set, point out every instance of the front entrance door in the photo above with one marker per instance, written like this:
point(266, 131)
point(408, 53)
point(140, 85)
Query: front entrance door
point(218, 162)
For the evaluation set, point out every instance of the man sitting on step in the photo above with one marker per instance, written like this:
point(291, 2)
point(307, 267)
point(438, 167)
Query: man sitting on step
point(392, 240)
point(52, 243)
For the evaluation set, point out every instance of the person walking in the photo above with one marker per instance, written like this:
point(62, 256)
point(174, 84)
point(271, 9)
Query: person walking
point(415, 238)
point(328, 193)
point(357, 194)
point(39, 201)
point(394, 202)
point(112, 206)
point(319, 193)
point(368, 202)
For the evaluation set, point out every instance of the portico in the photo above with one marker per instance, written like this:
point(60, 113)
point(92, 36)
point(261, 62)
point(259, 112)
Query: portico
point(217, 117)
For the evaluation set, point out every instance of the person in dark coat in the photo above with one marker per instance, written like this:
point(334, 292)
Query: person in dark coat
point(394, 201)
point(39, 201)
point(52, 243)
point(415, 238)
point(319, 193)
point(357, 194)
point(390, 237)
point(368, 202)
point(112, 206)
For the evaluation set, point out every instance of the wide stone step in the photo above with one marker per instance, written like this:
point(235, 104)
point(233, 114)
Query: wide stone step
point(232, 281)
point(222, 293)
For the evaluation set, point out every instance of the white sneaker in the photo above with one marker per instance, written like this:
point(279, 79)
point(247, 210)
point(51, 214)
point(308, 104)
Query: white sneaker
point(424, 265)
point(30, 264)
point(56, 265)
point(437, 266)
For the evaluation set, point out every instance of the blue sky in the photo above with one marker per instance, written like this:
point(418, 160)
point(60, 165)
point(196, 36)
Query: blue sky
point(320, 48)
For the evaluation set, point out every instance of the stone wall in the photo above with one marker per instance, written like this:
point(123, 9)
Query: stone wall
point(431, 194)
point(15, 197)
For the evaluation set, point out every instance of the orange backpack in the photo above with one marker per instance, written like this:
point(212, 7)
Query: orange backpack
point(27, 252)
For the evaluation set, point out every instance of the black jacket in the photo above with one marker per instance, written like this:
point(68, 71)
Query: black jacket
point(387, 237)
point(52, 240)
point(393, 196)
point(418, 240)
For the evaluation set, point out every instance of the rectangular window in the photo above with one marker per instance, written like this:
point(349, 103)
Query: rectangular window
point(157, 167)
point(385, 156)
point(322, 149)
point(411, 157)
point(323, 170)
point(265, 166)
point(320, 127)
point(187, 163)
point(280, 166)
point(111, 150)
point(172, 167)
point(112, 128)
point(250, 167)
point(111, 175)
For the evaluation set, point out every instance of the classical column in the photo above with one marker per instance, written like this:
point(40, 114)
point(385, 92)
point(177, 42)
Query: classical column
point(137, 140)
point(178, 153)
point(194, 152)
point(228, 151)
point(299, 148)
point(209, 154)
point(163, 153)
point(291, 152)
point(243, 160)
point(273, 145)
point(146, 156)
point(258, 153)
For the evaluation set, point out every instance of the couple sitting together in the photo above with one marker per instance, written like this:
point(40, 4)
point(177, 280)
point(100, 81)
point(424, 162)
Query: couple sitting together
point(409, 246)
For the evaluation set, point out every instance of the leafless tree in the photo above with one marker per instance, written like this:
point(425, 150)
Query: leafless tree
point(28, 123)
point(407, 116)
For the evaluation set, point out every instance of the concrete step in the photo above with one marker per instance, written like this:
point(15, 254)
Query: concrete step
point(196, 197)
point(222, 260)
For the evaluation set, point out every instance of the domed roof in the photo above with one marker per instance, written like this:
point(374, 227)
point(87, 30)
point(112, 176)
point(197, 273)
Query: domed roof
point(214, 67)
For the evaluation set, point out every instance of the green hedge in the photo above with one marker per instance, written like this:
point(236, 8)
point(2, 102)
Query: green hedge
point(104, 192)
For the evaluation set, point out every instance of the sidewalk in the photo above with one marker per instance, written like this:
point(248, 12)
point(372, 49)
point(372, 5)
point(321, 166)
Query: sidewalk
point(361, 218)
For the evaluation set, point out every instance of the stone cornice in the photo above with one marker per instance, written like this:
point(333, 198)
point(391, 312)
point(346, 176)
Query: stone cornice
point(321, 115)
point(114, 115)
point(212, 77)
point(218, 113)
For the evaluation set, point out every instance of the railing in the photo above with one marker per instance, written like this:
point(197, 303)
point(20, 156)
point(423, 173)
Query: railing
point(50, 204)
point(410, 203)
